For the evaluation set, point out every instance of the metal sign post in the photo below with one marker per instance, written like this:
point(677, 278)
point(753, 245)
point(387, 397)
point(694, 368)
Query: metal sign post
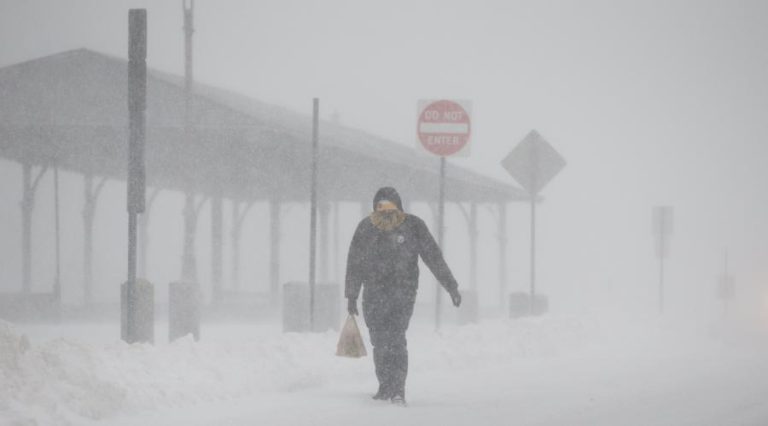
point(533, 252)
point(663, 226)
point(440, 238)
point(444, 129)
point(725, 289)
point(313, 213)
point(57, 279)
point(533, 163)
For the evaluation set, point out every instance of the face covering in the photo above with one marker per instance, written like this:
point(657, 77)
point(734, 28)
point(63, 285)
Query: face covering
point(387, 220)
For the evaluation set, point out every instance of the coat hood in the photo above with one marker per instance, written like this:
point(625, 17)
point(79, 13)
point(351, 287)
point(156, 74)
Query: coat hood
point(388, 193)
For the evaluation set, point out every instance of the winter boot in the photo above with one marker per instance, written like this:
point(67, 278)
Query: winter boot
point(382, 394)
point(398, 399)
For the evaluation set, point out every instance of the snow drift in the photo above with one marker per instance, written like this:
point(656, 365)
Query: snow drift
point(65, 380)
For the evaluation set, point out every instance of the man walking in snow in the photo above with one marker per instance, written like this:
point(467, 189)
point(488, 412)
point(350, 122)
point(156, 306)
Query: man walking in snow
point(383, 260)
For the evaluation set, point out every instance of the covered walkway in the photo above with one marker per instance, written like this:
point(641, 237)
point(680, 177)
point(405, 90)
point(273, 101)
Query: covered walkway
point(69, 112)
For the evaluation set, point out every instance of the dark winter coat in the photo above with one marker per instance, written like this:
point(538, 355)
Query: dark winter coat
point(385, 265)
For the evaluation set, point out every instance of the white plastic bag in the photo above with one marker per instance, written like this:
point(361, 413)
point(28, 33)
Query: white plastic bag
point(351, 341)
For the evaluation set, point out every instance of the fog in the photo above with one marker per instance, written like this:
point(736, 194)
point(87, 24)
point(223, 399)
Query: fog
point(651, 103)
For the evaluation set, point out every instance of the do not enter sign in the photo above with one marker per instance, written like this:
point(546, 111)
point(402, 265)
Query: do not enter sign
point(444, 127)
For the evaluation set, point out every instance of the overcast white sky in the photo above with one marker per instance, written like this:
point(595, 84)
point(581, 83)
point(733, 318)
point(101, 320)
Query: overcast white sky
point(650, 102)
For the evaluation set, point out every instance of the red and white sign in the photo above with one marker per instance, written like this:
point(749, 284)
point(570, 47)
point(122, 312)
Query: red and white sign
point(444, 127)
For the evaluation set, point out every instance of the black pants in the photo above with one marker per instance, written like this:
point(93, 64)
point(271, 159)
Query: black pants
point(387, 311)
point(390, 356)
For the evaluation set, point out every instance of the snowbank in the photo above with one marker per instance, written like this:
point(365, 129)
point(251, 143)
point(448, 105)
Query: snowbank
point(65, 380)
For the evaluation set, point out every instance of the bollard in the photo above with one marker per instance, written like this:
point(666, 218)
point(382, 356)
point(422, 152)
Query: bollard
point(183, 310)
point(296, 307)
point(137, 324)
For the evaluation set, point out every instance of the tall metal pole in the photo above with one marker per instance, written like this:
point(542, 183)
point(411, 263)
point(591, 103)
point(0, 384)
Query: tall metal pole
point(473, 245)
point(336, 255)
point(189, 264)
point(132, 242)
point(137, 69)
point(726, 283)
point(188, 6)
point(137, 86)
point(440, 233)
point(661, 264)
point(57, 279)
point(324, 210)
point(534, 159)
point(533, 253)
point(313, 213)
point(144, 234)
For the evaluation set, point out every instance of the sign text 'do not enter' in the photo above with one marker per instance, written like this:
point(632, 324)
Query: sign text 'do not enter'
point(444, 127)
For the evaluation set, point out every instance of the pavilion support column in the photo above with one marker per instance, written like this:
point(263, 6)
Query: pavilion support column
point(433, 207)
point(238, 216)
point(502, 233)
point(91, 196)
point(189, 258)
point(27, 206)
point(336, 255)
point(435, 231)
point(235, 239)
point(473, 237)
point(274, 250)
point(57, 228)
point(470, 314)
point(324, 211)
point(217, 243)
point(144, 231)
point(188, 265)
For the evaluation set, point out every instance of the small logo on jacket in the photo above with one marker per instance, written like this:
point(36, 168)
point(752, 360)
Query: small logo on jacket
point(400, 239)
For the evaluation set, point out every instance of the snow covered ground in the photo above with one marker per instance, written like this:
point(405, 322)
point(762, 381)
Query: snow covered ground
point(543, 371)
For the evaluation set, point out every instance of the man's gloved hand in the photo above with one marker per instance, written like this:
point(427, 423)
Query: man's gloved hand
point(352, 306)
point(455, 297)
